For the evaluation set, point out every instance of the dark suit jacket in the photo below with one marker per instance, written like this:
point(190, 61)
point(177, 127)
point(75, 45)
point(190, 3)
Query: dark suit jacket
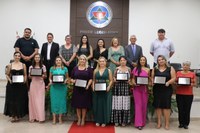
point(130, 56)
point(53, 53)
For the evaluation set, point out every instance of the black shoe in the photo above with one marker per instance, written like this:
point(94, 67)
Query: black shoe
point(180, 126)
point(140, 128)
point(185, 127)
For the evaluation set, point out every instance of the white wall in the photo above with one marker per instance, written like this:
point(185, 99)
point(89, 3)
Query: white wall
point(180, 18)
point(42, 16)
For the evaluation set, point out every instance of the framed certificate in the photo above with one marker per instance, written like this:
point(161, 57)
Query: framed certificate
point(17, 78)
point(184, 81)
point(100, 87)
point(142, 80)
point(159, 80)
point(122, 77)
point(36, 72)
point(81, 83)
point(58, 79)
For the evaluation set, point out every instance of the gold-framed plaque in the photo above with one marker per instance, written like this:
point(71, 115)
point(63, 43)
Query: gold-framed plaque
point(17, 78)
point(184, 81)
point(100, 87)
point(81, 83)
point(142, 80)
point(36, 72)
point(122, 77)
point(58, 79)
point(159, 80)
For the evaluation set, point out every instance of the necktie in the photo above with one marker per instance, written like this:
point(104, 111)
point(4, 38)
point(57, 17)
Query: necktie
point(134, 49)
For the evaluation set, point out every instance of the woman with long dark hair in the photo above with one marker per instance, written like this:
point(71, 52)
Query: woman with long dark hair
point(99, 51)
point(84, 48)
point(37, 91)
point(140, 92)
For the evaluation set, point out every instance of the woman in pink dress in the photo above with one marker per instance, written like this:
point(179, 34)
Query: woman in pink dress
point(140, 93)
point(37, 92)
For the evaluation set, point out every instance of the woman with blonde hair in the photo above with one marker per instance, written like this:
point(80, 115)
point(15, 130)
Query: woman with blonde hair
point(163, 76)
point(81, 76)
point(114, 52)
point(102, 100)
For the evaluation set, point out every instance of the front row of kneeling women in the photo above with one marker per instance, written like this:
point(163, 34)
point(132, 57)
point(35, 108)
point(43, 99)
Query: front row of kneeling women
point(109, 95)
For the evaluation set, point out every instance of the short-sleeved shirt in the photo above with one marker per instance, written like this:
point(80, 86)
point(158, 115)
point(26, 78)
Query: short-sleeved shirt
point(163, 47)
point(27, 47)
point(185, 90)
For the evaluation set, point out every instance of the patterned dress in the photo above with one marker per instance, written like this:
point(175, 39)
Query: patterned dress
point(121, 102)
point(58, 93)
point(102, 101)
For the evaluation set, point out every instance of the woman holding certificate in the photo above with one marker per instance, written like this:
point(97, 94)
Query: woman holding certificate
point(58, 77)
point(141, 75)
point(163, 76)
point(121, 94)
point(102, 96)
point(81, 76)
point(37, 74)
point(16, 102)
point(186, 80)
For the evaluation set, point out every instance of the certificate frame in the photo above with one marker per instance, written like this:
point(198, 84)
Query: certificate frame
point(184, 81)
point(36, 72)
point(81, 83)
point(17, 78)
point(142, 80)
point(159, 80)
point(122, 77)
point(100, 87)
point(58, 78)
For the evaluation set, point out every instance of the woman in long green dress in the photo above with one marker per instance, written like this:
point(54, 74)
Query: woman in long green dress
point(102, 100)
point(114, 52)
point(58, 91)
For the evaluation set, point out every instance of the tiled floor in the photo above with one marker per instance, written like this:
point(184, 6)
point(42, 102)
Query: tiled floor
point(25, 127)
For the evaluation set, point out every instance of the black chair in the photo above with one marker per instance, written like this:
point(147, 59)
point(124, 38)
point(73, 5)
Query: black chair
point(176, 66)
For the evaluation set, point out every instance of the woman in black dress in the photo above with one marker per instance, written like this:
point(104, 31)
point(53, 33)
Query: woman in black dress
point(99, 51)
point(162, 92)
point(85, 48)
point(16, 102)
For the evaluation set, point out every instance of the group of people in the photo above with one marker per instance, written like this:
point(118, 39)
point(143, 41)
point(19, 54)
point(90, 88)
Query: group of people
point(117, 70)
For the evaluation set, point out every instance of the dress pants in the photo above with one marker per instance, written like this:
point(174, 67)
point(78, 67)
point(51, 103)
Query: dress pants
point(184, 103)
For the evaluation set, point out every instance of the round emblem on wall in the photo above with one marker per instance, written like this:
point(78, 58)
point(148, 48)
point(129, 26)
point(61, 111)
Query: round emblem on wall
point(99, 14)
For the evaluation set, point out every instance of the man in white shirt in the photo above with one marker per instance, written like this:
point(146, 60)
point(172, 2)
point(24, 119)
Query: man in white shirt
point(161, 46)
point(49, 53)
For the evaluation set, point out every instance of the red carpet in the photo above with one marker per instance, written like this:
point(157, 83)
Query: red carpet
point(90, 127)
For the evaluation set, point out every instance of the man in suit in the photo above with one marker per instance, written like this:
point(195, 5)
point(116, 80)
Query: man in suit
point(49, 53)
point(133, 52)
